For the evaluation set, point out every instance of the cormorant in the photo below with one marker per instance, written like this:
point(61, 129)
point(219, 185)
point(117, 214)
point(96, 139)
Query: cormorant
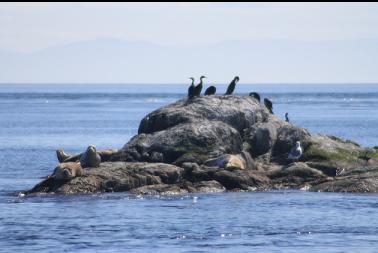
point(296, 152)
point(287, 117)
point(231, 86)
point(255, 95)
point(269, 105)
point(191, 89)
point(197, 89)
point(210, 91)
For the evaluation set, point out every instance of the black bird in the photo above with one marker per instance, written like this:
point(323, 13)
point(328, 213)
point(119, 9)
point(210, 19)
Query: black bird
point(231, 86)
point(255, 95)
point(287, 117)
point(210, 91)
point(269, 105)
point(191, 89)
point(197, 89)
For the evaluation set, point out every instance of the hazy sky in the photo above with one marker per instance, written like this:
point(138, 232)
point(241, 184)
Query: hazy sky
point(29, 27)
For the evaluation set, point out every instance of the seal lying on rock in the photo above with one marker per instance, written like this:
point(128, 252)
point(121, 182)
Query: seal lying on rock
point(67, 171)
point(90, 160)
point(227, 162)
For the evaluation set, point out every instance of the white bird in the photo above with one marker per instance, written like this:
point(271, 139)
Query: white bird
point(296, 152)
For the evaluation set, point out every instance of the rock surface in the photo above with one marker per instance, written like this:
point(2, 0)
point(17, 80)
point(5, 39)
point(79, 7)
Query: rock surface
point(219, 143)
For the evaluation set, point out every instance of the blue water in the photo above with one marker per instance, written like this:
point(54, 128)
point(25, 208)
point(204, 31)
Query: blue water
point(35, 120)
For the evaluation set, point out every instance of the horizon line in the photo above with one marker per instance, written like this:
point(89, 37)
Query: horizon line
point(252, 83)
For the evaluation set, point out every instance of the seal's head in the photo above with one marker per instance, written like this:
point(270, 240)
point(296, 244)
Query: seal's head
point(91, 149)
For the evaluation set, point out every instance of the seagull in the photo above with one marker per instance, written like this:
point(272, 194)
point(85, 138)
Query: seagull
point(296, 152)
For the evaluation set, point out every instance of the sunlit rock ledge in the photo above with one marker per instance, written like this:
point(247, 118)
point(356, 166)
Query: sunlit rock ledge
point(222, 143)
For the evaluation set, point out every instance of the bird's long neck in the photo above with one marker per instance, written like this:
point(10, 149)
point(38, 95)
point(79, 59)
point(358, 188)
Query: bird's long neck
point(192, 82)
point(200, 83)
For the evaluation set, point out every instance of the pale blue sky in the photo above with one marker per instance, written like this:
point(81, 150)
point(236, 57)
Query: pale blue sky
point(321, 42)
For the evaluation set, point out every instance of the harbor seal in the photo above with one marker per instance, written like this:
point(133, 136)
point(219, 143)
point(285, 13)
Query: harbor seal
point(105, 155)
point(227, 161)
point(67, 171)
point(90, 158)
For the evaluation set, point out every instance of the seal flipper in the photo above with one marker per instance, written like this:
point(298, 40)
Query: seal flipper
point(61, 155)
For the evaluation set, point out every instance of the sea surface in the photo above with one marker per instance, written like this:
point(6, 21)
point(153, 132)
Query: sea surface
point(35, 120)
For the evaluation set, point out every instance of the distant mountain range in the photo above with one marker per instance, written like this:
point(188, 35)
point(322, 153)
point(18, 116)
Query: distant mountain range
point(117, 61)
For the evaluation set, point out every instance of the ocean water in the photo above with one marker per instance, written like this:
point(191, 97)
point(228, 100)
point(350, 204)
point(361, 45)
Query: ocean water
point(35, 120)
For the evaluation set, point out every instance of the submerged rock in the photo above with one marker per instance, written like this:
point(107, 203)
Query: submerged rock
point(159, 189)
point(218, 143)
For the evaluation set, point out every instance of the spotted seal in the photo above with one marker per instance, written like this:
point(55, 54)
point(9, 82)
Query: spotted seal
point(105, 155)
point(90, 158)
point(67, 171)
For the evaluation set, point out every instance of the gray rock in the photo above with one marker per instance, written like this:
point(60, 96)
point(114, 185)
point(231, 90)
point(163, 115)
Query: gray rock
point(295, 176)
point(183, 142)
point(353, 180)
point(211, 186)
point(238, 112)
point(159, 189)
point(187, 147)
point(263, 136)
point(242, 179)
point(115, 176)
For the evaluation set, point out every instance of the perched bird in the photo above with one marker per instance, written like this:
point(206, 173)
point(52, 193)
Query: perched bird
point(269, 105)
point(296, 152)
point(210, 91)
point(197, 89)
point(287, 117)
point(255, 95)
point(191, 89)
point(231, 86)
